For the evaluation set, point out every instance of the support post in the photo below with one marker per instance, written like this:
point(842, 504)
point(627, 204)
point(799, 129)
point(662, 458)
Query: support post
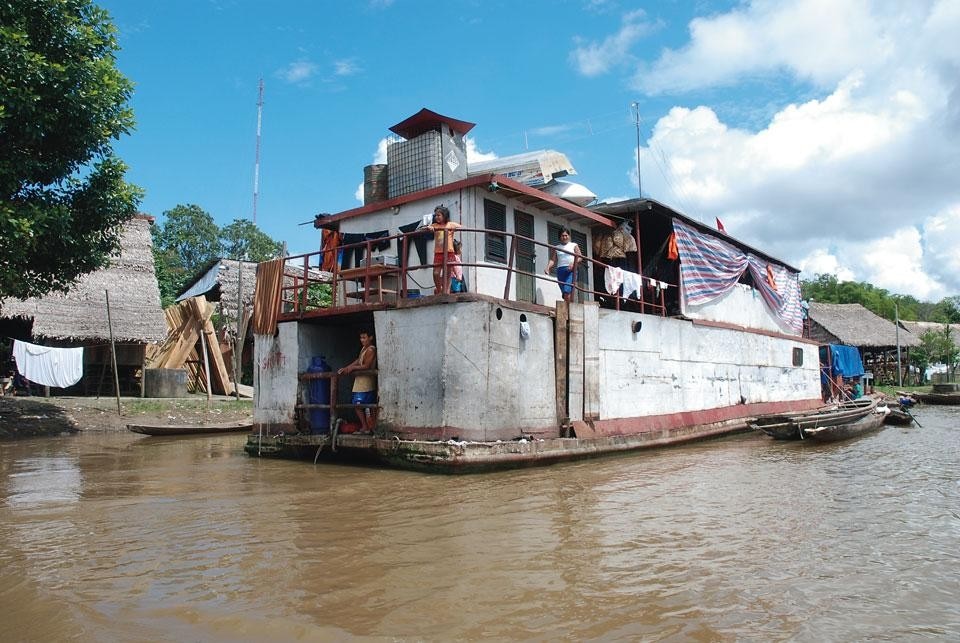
point(206, 363)
point(113, 353)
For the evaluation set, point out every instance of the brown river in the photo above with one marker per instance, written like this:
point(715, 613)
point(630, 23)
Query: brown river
point(122, 537)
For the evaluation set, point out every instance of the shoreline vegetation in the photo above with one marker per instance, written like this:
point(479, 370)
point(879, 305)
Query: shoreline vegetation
point(27, 417)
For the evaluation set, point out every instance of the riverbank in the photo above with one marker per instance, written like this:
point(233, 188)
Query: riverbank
point(22, 417)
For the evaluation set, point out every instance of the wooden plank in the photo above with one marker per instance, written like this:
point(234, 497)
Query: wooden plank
point(575, 404)
point(591, 361)
point(222, 382)
point(560, 360)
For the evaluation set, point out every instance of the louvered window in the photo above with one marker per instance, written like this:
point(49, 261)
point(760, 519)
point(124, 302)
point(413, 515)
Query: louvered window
point(495, 218)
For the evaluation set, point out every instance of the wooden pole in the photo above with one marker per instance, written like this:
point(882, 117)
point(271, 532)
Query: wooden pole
point(113, 353)
point(238, 338)
point(206, 363)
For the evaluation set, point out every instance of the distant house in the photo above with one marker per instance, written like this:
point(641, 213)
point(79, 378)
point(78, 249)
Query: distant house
point(79, 317)
point(918, 328)
point(229, 284)
point(876, 337)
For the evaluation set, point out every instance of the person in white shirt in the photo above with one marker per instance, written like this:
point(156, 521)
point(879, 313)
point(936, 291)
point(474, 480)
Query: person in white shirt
point(566, 257)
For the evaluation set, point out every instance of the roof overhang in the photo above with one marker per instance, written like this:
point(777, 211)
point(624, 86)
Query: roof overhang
point(524, 194)
point(624, 209)
point(426, 120)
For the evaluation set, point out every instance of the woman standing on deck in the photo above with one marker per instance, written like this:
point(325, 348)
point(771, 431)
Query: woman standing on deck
point(442, 227)
point(566, 256)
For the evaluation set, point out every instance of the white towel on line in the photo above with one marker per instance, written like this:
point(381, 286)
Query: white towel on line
point(48, 366)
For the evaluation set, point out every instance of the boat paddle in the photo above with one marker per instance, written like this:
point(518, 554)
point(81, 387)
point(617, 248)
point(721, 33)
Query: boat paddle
point(904, 409)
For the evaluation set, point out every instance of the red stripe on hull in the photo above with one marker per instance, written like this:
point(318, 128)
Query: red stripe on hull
point(666, 422)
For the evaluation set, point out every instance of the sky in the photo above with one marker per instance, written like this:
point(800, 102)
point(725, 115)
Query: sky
point(823, 132)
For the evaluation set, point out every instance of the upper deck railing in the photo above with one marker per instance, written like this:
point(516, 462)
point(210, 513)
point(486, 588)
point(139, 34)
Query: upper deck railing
point(307, 290)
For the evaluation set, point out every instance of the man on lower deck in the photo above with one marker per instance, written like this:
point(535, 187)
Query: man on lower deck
point(365, 384)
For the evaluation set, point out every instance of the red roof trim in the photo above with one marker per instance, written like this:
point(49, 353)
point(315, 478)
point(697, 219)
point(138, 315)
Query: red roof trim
point(473, 181)
point(426, 120)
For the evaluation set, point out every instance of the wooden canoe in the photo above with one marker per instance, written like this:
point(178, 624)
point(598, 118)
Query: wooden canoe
point(191, 429)
point(789, 426)
point(898, 417)
point(870, 422)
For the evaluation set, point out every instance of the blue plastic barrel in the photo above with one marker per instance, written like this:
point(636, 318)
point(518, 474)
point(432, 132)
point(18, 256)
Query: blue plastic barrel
point(319, 393)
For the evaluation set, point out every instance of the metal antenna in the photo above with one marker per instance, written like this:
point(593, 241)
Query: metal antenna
point(256, 165)
point(636, 112)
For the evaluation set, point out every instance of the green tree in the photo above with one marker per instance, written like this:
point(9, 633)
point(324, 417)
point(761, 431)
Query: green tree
point(63, 198)
point(187, 240)
point(242, 239)
point(936, 347)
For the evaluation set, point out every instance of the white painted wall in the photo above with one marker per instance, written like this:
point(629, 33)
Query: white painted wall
point(276, 364)
point(466, 208)
point(743, 306)
point(459, 366)
point(673, 365)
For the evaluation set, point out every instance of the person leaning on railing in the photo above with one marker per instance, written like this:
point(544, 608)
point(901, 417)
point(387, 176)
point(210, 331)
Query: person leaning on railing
point(566, 256)
point(442, 227)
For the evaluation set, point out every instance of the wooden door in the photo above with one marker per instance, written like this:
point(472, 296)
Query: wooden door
point(526, 257)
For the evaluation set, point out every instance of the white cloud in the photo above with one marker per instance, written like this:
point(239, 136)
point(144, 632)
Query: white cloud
point(593, 59)
point(816, 40)
point(859, 182)
point(380, 156)
point(297, 72)
point(358, 195)
point(346, 67)
point(475, 154)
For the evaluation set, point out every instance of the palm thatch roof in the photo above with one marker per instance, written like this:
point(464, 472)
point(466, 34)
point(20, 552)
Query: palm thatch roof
point(228, 282)
point(918, 328)
point(80, 315)
point(854, 325)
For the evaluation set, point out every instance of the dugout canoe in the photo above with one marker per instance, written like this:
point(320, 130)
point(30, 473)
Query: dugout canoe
point(192, 429)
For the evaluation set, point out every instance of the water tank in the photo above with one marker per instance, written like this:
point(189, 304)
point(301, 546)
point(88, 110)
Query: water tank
point(319, 393)
point(376, 183)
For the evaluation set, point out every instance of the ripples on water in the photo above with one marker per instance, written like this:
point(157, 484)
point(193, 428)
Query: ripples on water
point(134, 538)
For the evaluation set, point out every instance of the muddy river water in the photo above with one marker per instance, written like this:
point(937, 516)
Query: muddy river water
point(107, 536)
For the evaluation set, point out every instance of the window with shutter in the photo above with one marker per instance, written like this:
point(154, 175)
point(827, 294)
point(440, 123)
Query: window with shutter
point(495, 218)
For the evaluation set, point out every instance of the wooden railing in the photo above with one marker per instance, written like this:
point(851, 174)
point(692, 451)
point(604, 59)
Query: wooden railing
point(302, 292)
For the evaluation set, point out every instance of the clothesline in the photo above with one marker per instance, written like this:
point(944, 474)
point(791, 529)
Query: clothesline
point(613, 278)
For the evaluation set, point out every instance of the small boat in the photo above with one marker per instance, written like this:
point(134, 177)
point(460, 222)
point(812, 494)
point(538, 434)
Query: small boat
point(898, 417)
point(192, 429)
point(938, 398)
point(870, 422)
point(791, 426)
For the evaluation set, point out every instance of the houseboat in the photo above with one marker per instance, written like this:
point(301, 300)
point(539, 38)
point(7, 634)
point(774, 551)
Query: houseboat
point(674, 332)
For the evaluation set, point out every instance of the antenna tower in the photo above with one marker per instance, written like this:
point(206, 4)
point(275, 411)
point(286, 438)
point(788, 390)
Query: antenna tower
point(256, 164)
point(636, 112)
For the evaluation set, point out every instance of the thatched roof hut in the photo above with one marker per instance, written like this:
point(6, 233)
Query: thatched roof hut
point(918, 328)
point(854, 325)
point(226, 282)
point(79, 317)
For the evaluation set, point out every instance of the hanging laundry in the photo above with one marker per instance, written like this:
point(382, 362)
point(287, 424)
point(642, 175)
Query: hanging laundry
point(613, 279)
point(632, 283)
point(672, 253)
point(770, 278)
point(48, 366)
point(331, 239)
